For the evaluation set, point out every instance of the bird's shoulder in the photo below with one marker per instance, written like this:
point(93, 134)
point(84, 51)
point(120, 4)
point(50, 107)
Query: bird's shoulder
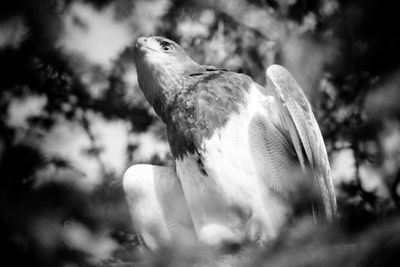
point(204, 105)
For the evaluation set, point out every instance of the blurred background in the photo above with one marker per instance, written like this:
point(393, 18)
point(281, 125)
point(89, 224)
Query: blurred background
point(73, 119)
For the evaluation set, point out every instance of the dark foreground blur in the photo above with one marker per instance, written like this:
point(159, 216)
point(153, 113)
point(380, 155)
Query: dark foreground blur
point(73, 119)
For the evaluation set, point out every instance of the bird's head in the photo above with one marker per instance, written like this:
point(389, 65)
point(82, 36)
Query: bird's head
point(161, 65)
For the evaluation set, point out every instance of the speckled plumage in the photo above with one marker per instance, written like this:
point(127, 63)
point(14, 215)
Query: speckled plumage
point(237, 146)
point(204, 104)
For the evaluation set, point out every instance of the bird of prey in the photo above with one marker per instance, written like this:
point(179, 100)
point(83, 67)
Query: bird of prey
point(235, 144)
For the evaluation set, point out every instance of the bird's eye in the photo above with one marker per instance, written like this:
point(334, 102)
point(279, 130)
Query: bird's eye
point(166, 47)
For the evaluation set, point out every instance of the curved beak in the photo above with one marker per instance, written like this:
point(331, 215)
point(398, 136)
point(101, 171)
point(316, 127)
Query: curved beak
point(143, 44)
point(141, 41)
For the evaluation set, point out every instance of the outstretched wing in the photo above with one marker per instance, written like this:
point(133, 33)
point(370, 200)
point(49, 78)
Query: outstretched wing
point(296, 116)
point(157, 206)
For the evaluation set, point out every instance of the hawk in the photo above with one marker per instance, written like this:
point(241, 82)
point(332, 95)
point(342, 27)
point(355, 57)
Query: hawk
point(235, 144)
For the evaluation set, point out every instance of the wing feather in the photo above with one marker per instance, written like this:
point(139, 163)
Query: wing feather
point(297, 116)
point(157, 205)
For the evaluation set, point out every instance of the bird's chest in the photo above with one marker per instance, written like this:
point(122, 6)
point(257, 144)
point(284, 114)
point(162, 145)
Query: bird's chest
point(222, 159)
point(222, 176)
point(212, 130)
point(198, 117)
point(227, 153)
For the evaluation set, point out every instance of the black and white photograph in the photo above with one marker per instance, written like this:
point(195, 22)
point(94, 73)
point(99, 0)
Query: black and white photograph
point(199, 133)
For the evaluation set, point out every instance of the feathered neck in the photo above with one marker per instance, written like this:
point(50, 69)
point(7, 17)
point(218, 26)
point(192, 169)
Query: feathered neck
point(160, 85)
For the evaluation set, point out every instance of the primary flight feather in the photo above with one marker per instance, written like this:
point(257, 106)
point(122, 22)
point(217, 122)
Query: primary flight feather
point(235, 145)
